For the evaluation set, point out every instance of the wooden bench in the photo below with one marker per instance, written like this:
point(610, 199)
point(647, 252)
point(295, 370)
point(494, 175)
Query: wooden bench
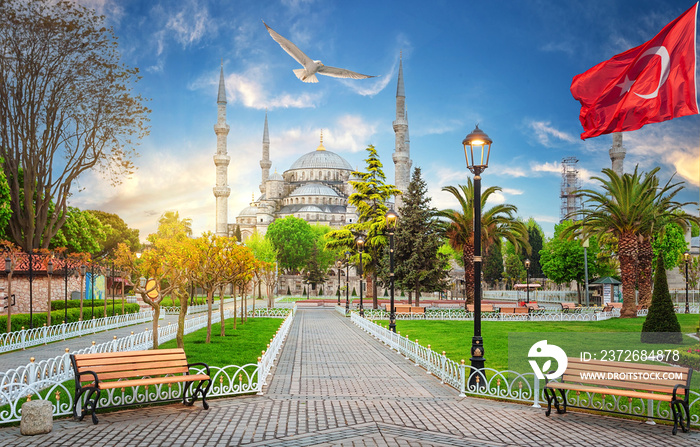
point(568, 307)
point(401, 308)
point(109, 370)
point(533, 305)
point(484, 307)
point(632, 380)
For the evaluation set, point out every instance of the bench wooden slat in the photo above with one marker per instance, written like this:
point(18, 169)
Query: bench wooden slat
point(151, 381)
point(130, 360)
point(134, 366)
point(135, 373)
point(105, 355)
point(624, 365)
point(660, 387)
point(612, 391)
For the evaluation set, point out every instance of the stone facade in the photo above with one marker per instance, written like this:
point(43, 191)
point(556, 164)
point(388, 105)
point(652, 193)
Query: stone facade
point(40, 287)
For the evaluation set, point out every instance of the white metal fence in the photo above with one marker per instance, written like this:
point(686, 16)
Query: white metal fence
point(47, 334)
point(510, 385)
point(49, 379)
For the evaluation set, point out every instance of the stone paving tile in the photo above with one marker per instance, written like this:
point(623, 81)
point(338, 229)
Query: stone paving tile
point(335, 386)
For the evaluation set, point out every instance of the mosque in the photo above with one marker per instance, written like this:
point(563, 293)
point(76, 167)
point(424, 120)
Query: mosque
point(315, 187)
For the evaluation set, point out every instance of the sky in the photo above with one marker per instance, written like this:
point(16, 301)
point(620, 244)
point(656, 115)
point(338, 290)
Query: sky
point(504, 65)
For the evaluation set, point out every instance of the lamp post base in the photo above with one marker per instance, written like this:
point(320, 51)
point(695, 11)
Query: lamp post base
point(477, 379)
point(392, 323)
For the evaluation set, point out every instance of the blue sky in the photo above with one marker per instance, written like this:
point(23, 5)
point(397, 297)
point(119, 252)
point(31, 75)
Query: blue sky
point(506, 65)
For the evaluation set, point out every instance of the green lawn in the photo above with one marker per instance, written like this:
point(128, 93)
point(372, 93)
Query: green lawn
point(454, 337)
point(238, 347)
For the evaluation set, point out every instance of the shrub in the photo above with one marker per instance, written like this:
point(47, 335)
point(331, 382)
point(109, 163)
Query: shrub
point(661, 325)
point(354, 293)
point(39, 318)
point(289, 292)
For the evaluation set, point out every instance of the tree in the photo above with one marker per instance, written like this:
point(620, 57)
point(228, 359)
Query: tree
point(671, 245)
point(497, 222)
point(535, 238)
point(514, 269)
point(170, 224)
point(265, 252)
point(562, 258)
point(370, 196)
point(116, 231)
point(293, 239)
point(628, 207)
point(493, 264)
point(419, 265)
point(5, 208)
point(661, 324)
point(66, 106)
point(82, 233)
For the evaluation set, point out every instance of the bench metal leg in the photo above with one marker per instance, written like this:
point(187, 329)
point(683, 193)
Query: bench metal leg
point(681, 416)
point(198, 391)
point(551, 396)
point(91, 400)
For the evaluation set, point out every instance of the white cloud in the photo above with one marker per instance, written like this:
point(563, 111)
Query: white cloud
point(508, 171)
point(190, 23)
point(549, 167)
point(515, 192)
point(545, 132)
point(111, 9)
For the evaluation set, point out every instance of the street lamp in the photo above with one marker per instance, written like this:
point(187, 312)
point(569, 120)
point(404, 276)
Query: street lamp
point(391, 221)
point(360, 242)
point(65, 291)
point(92, 286)
point(31, 290)
point(527, 281)
point(83, 272)
point(49, 272)
point(477, 163)
point(338, 265)
point(686, 256)
point(10, 298)
point(347, 282)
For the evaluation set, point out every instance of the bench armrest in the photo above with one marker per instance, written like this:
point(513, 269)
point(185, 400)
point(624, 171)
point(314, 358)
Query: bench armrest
point(78, 382)
point(680, 385)
point(189, 365)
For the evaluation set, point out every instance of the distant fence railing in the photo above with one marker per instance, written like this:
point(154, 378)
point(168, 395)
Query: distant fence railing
point(509, 385)
point(26, 338)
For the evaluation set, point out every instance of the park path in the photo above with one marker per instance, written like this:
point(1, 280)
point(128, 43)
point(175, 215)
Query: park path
point(336, 386)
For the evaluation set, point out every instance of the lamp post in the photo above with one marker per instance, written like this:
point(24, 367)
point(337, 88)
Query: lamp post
point(347, 282)
point(339, 266)
point(527, 281)
point(10, 300)
point(686, 256)
point(49, 272)
point(112, 289)
point(31, 290)
point(83, 272)
point(92, 287)
point(360, 242)
point(391, 221)
point(478, 140)
point(65, 290)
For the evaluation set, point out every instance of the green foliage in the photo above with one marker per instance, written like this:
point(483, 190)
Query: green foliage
point(493, 264)
point(289, 292)
point(170, 226)
point(671, 243)
point(238, 235)
point(536, 239)
point(83, 232)
point(293, 239)
point(116, 231)
point(661, 324)
point(314, 274)
point(262, 248)
point(514, 269)
point(5, 209)
point(562, 259)
point(419, 264)
point(694, 229)
point(354, 292)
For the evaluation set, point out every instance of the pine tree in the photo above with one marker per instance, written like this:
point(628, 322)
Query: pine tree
point(661, 325)
point(534, 234)
point(370, 196)
point(493, 264)
point(238, 235)
point(418, 264)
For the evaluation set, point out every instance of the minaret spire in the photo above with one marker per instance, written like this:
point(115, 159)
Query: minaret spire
point(617, 153)
point(402, 155)
point(265, 162)
point(221, 160)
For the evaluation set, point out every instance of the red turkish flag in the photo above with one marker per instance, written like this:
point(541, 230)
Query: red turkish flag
point(650, 83)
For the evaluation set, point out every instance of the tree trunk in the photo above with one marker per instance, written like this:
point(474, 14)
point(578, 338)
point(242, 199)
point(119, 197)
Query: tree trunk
point(156, 318)
point(410, 297)
point(180, 337)
point(233, 292)
point(578, 290)
point(417, 293)
point(644, 279)
point(221, 311)
point(210, 298)
point(627, 254)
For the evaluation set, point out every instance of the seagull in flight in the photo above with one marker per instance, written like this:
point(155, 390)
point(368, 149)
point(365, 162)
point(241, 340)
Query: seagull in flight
point(311, 67)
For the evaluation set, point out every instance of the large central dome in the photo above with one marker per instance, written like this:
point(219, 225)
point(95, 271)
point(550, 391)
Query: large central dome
point(321, 160)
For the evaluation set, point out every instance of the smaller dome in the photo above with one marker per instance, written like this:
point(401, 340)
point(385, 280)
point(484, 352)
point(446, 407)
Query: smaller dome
point(314, 189)
point(248, 211)
point(310, 209)
point(276, 177)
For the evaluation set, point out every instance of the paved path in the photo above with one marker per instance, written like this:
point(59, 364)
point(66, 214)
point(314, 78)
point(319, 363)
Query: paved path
point(335, 386)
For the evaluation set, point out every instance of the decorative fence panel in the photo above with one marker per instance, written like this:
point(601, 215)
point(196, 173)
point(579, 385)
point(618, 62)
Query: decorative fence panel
point(509, 385)
point(49, 379)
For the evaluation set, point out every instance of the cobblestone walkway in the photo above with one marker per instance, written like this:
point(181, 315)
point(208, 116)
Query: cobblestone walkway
point(335, 386)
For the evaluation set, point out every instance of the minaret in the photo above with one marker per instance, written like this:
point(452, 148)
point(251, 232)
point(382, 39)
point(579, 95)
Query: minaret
point(401, 156)
point(221, 160)
point(265, 162)
point(617, 153)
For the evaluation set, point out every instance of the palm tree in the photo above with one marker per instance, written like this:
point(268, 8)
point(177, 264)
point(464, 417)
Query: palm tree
point(624, 208)
point(496, 223)
point(666, 211)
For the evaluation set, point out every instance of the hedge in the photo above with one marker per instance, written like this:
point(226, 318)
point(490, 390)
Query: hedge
point(39, 318)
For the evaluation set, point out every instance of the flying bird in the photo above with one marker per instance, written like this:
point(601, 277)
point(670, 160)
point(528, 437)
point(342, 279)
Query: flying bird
point(311, 67)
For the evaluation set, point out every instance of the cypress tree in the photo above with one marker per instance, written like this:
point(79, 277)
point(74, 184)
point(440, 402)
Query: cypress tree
point(661, 325)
